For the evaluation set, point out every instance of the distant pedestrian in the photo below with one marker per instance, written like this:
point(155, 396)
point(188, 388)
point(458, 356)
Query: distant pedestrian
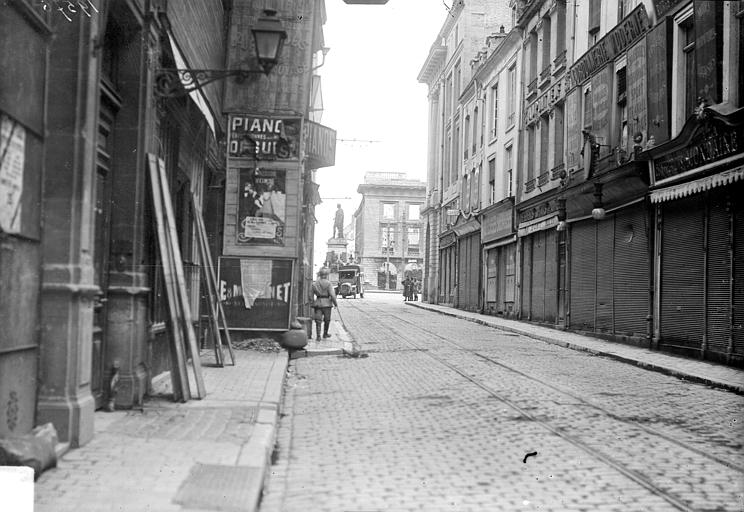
point(325, 298)
point(406, 289)
point(415, 288)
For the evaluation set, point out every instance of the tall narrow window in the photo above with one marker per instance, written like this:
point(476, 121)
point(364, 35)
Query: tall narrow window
point(457, 84)
point(466, 142)
point(595, 12)
point(456, 157)
point(587, 108)
point(622, 107)
point(492, 181)
point(530, 152)
point(494, 109)
point(509, 171)
point(688, 83)
point(512, 99)
point(475, 129)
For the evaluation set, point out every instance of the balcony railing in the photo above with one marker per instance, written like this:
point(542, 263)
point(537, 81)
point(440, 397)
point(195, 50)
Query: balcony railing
point(555, 172)
point(559, 62)
point(545, 75)
point(543, 178)
point(532, 87)
point(529, 185)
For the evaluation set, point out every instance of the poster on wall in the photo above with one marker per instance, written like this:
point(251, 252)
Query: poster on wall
point(12, 151)
point(255, 293)
point(262, 206)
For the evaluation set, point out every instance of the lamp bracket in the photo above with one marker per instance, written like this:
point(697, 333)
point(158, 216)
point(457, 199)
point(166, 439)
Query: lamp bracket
point(175, 83)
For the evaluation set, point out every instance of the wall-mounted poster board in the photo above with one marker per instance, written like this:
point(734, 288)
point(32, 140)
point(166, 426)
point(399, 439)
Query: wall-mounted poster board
point(255, 293)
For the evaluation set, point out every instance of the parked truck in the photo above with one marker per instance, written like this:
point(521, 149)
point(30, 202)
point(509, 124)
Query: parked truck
point(350, 281)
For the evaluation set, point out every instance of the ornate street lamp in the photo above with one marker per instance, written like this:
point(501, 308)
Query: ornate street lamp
point(598, 213)
point(268, 37)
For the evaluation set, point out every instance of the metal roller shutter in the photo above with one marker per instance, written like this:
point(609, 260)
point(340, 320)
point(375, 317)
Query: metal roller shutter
point(631, 278)
point(583, 274)
point(538, 276)
point(682, 270)
point(551, 276)
point(605, 272)
point(526, 277)
point(474, 272)
point(718, 303)
point(738, 323)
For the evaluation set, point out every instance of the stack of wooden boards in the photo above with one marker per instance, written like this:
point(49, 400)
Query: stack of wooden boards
point(180, 322)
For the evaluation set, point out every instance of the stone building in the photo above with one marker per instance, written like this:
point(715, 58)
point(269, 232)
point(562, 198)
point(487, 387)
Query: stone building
point(625, 173)
point(86, 102)
point(387, 232)
point(447, 72)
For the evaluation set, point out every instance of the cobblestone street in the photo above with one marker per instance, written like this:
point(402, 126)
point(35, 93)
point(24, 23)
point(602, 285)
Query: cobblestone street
point(449, 415)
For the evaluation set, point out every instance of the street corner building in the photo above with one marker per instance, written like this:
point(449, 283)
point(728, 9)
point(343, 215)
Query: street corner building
point(584, 168)
point(134, 132)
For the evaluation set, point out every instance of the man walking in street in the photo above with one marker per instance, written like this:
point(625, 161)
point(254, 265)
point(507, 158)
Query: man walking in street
point(325, 298)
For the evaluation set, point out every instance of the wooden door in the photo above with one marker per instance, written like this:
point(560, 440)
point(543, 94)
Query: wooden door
point(102, 213)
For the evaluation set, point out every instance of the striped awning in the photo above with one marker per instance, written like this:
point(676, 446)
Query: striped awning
point(696, 186)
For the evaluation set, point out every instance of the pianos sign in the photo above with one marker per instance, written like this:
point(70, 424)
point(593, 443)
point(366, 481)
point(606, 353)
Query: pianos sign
point(264, 138)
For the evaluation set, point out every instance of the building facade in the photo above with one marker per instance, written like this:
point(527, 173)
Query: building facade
point(87, 102)
point(387, 233)
point(451, 166)
point(626, 130)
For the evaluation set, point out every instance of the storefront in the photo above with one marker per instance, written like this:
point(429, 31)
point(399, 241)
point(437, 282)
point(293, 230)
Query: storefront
point(467, 292)
point(448, 267)
point(698, 183)
point(539, 263)
point(500, 256)
point(609, 273)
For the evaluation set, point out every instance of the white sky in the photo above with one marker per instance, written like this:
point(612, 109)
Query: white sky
point(370, 92)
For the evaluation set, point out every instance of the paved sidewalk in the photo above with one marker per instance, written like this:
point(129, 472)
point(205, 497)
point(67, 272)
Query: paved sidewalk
point(717, 375)
point(210, 454)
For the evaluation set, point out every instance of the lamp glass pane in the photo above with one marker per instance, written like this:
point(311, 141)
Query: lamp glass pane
point(267, 44)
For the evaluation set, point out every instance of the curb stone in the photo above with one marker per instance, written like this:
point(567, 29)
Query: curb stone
point(738, 389)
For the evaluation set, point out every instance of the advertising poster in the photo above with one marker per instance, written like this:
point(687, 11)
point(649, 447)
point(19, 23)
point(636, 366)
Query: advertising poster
point(262, 206)
point(255, 293)
point(12, 149)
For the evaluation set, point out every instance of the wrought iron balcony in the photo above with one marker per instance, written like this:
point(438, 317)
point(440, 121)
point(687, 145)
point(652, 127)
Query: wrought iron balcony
point(555, 172)
point(529, 185)
point(545, 75)
point(542, 179)
point(559, 62)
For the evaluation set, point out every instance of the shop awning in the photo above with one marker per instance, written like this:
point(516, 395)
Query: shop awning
point(699, 185)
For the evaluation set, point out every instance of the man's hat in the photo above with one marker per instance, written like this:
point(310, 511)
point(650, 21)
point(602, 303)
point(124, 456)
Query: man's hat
point(323, 271)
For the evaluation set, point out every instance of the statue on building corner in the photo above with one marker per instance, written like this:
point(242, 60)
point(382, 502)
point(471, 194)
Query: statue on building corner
point(338, 223)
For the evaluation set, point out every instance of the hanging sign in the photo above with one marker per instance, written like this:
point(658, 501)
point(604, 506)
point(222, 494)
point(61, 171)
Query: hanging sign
point(264, 138)
point(611, 45)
